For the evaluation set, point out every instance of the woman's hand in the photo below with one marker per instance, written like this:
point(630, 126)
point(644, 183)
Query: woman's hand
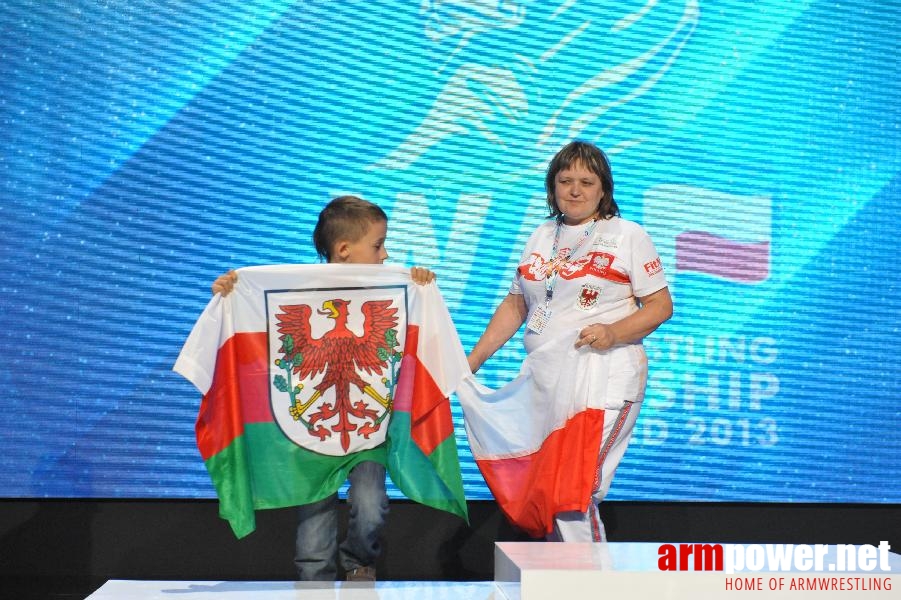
point(598, 336)
point(654, 309)
point(421, 275)
point(225, 283)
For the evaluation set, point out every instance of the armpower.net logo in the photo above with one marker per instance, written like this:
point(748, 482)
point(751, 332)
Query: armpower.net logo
point(858, 568)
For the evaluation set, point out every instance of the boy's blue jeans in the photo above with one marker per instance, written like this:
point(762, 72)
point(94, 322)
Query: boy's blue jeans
point(317, 534)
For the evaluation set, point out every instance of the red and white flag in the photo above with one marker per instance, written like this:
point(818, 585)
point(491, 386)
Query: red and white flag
point(537, 439)
point(307, 370)
point(712, 233)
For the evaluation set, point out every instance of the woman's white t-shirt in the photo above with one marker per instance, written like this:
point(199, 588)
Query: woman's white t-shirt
point(599, 278)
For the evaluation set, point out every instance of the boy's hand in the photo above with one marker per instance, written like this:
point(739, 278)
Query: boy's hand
point(224, 284)
point(421, 275)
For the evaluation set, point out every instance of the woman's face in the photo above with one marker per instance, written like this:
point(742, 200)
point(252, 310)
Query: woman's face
point(578, 192)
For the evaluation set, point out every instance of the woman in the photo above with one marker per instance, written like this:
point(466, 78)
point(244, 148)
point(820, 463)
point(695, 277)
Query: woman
point(589, 287)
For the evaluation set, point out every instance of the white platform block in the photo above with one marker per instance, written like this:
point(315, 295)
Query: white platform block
point(575, 571)
point(294, 590)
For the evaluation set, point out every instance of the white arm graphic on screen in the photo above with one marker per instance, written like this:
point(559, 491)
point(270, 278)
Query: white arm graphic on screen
point(501, 102)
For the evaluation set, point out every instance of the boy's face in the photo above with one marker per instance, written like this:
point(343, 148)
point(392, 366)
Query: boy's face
point(368, 250)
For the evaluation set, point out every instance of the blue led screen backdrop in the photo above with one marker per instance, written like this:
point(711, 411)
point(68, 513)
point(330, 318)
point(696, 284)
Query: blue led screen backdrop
point(147, 147)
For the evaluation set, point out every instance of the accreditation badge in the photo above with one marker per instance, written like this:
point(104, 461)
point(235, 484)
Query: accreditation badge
point(539, 319)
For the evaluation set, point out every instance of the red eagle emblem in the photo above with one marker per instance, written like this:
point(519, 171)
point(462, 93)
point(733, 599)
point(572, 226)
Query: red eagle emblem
point(588, 297)
point(342, 356)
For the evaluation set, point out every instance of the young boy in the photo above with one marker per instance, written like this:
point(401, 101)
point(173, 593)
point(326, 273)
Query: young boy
point(350, 230)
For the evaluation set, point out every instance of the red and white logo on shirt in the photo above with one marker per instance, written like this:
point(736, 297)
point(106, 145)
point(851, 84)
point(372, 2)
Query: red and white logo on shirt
point(597, 264)
point(653, 267)
point(588, 297)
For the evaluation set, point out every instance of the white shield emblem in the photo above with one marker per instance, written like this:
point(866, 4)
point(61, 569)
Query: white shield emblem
point(588, 297)
point(334, 359)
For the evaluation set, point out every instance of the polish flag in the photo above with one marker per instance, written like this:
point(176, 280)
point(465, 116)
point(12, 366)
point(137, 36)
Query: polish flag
point(698, 230)
point(537, 439)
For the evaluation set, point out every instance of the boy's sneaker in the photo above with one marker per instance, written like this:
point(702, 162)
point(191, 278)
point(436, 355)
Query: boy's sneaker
point(361, 574)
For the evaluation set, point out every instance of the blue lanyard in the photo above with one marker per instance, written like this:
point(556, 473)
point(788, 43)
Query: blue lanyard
point(550, 281)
